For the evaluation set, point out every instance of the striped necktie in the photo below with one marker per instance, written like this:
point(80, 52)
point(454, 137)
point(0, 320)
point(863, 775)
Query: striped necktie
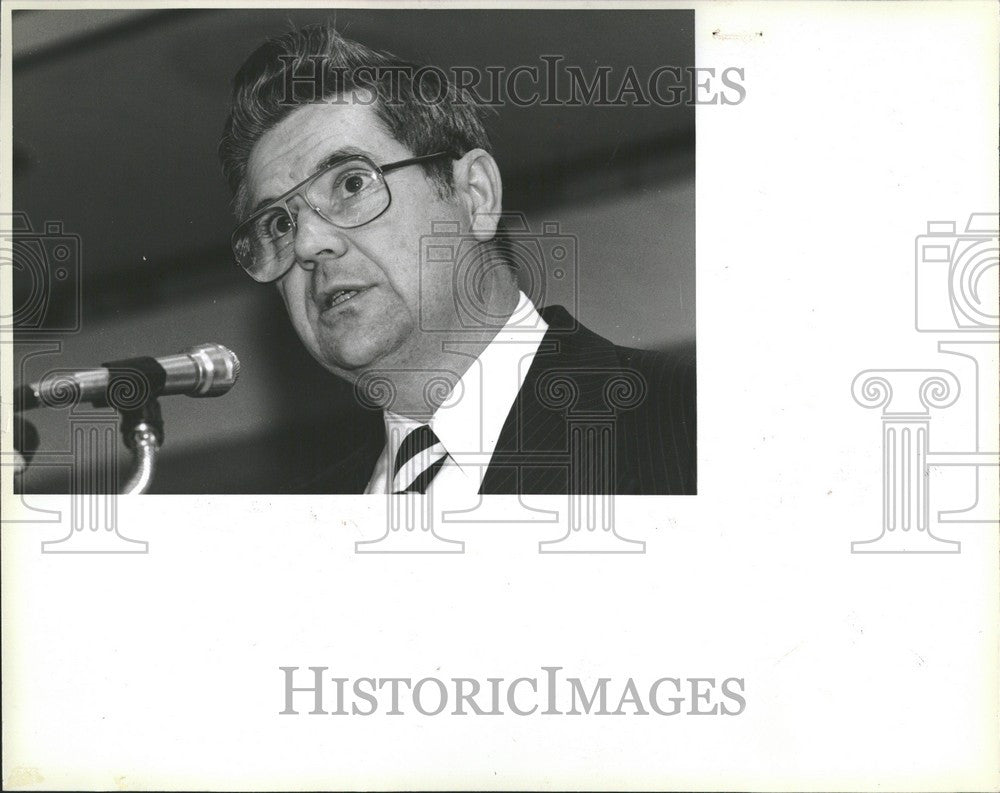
point(418, 460)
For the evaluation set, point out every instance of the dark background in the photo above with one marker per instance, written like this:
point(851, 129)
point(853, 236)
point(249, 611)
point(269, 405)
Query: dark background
point(116, 120)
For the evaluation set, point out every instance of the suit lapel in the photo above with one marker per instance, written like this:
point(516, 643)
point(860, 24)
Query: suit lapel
point(571, 360)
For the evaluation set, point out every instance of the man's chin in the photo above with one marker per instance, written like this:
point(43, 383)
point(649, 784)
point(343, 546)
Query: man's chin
point(347, 366)
point(351, 361)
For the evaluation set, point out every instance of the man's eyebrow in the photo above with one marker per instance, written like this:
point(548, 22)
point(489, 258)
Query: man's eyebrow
point(334, 156)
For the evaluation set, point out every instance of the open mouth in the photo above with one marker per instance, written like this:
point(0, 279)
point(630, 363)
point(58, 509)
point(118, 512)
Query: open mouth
point(340, 297)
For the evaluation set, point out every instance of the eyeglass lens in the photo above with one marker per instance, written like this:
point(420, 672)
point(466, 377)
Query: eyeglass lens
point(347, 195)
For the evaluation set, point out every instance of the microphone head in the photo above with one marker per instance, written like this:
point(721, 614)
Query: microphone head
point(218, 369)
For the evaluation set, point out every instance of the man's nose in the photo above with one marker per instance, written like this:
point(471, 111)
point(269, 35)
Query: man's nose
point(316, 239)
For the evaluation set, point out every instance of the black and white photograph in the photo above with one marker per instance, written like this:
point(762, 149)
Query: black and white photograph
point(500, 396)
point(523, 323)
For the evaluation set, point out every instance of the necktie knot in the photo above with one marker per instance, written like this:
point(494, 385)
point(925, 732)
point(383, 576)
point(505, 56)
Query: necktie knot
point(418, 460)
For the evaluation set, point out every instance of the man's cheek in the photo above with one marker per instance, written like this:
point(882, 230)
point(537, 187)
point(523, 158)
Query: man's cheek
point(294, 293)
point(284, 289)
point(298, 312)
point(438, 294)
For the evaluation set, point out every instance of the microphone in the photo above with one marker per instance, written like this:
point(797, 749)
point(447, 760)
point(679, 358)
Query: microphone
point(205, 370)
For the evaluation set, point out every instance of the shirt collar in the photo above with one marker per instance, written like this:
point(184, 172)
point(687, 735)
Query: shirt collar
point(472, 416)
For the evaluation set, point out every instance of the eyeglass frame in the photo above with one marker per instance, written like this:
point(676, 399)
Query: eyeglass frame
point(301, 188)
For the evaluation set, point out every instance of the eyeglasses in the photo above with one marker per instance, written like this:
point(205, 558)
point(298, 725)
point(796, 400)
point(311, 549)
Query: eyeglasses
point(347, 193)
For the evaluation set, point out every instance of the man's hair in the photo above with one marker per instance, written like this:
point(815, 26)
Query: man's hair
point(427, 115)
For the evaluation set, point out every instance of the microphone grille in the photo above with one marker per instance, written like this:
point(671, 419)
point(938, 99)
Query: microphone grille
point(218, 366)
point(235, 361)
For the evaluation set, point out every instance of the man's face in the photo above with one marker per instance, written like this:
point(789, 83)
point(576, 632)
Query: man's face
point(379, 326)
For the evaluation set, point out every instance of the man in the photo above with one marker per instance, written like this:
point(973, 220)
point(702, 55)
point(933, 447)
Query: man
point(343, 162)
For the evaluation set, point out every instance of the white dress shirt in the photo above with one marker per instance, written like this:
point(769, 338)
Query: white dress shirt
point(469, 421)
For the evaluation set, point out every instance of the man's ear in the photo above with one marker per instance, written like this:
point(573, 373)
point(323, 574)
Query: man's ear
point(479, 187)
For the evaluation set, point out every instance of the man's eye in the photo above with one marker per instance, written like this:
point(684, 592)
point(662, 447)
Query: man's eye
point(277, 225)
point(351, 184)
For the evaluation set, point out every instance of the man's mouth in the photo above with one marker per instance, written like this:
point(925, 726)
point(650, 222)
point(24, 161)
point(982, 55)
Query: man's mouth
point(341, 296)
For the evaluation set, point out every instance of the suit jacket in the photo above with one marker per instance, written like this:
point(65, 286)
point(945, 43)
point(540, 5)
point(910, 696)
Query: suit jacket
point(591, 417)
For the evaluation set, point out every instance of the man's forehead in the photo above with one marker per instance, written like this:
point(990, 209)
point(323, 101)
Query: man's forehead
point(302, 142)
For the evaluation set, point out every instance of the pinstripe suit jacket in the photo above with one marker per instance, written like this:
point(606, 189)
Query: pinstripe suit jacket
point(591, 417)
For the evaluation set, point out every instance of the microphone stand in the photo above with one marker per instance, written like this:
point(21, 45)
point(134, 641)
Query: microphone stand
point(205, 370)
point(142, 431)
